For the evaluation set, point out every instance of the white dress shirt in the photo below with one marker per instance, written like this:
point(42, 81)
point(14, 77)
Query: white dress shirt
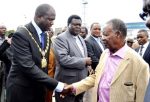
point(144, 48)
point(78, 41)
point(98, 40)
point(39, 31)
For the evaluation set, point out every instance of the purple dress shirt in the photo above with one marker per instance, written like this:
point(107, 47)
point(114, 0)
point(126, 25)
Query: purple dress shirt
point(111, 65)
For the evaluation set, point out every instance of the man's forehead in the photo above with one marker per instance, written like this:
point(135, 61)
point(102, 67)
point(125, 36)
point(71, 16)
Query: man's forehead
point(106, 27)
point(141, 34)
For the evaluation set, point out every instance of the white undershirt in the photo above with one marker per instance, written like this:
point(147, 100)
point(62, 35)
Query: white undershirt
point(79, 44)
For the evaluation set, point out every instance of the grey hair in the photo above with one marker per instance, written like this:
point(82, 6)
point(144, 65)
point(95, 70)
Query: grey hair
point(118, 25)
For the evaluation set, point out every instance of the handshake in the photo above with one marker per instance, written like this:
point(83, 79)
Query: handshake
point(68, 89)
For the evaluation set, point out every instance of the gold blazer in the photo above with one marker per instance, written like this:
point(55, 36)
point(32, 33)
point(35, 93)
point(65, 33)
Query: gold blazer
point(131, 69)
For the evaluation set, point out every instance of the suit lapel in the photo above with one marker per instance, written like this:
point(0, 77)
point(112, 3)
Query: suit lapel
point(84, 46)
point(147, 51)
point(121, 68)
point(73, 41)
point(100, 68)
point(32, 30)
point(96, 44)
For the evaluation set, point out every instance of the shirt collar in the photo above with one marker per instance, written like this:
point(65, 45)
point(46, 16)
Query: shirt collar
point(146, 44)
point(39, 31)
point(97, 39)
point(74, 36)
point(120, 53)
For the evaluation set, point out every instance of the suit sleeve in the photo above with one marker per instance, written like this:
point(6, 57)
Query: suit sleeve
point(91, 54)
point(147, 94)
point(62, 50)
point(3, 47)
point(23, 56)
point(142, 83)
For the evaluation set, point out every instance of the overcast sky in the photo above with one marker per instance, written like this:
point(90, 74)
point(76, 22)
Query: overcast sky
point(19, 12)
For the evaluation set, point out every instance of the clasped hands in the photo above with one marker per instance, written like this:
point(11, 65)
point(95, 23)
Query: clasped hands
point(68, 89)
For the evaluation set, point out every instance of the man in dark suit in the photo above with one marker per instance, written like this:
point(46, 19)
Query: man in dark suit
point(94, 44)
point(144, 15)
point(28, 77)
point(3, 65)
point(144, 49)
point(71, 57)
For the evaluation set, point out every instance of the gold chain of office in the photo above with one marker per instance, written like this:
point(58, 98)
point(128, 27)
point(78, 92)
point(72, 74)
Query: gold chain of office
point(43, 52)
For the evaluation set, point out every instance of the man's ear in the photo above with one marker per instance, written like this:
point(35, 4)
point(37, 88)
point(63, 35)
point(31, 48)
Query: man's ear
point(69, 26)
point(118, 33)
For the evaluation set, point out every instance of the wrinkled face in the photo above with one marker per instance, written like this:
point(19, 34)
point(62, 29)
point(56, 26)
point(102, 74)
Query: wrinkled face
point(142, 38)
point(96, 30)
point(46, 21)
point(2, 30)
point(110, 38)
point(75, 26)
point(83, 32)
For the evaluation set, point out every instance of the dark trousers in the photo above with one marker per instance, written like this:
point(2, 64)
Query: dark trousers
point(69, 98)
point(19, 93)
point(2, 83)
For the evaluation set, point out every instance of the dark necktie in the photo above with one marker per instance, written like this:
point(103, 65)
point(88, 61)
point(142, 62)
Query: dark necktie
point(141, 48)
point(42, 40)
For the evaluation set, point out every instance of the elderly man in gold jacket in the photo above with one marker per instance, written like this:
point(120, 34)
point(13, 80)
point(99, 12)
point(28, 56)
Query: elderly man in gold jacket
point(130, 75)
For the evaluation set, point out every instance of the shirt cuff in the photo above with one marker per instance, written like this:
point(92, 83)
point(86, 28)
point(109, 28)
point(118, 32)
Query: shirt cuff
point(59, 87)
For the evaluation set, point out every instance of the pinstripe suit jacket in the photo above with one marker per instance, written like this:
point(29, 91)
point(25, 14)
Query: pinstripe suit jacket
point(131, 69)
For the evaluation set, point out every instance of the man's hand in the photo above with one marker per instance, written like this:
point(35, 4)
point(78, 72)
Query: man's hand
point(68, 89)
point(88, 61)
point(8, 40)
point(90, 70)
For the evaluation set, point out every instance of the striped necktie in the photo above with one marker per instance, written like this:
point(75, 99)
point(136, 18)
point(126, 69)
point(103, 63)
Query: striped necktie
point(141, 48)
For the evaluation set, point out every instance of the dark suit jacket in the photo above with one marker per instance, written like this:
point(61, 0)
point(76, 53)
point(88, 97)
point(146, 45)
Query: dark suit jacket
point(27, 80)
point(147, 94)
point(4, 57)
point(94, 50)
point(146, 55)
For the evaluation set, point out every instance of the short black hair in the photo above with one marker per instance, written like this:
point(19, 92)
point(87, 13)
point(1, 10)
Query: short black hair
point(73, 17)
point(118, 25)
point(86, 30)
point(144, 31)
point(93, 24)
point(42, 9)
